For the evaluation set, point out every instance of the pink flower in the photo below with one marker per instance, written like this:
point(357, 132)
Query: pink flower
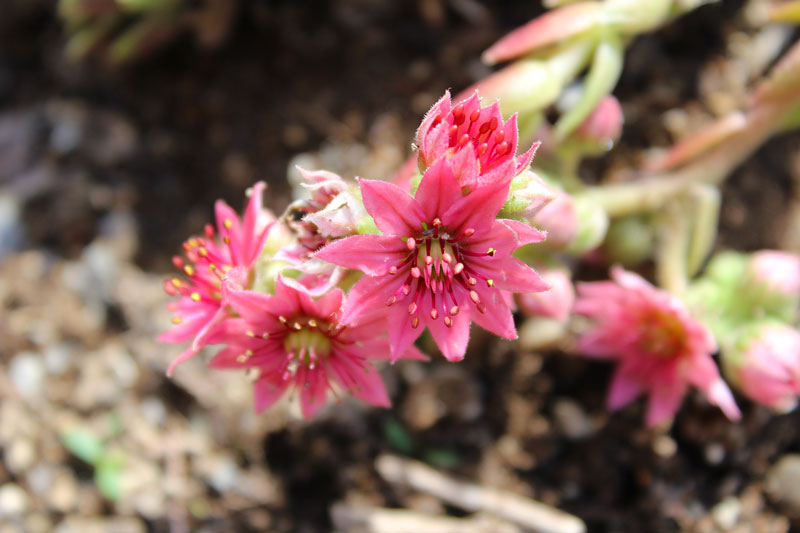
point(201, 309)
point(442, 260)
point(555, 303)
point(295, 340)
point(779, 271)
point(767, 370)
point(660, 348)
point(475, 132)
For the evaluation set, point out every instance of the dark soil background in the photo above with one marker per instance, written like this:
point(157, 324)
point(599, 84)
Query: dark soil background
point(103, 173)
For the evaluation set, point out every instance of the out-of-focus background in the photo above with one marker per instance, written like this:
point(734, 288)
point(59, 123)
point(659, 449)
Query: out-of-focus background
point(112, 154)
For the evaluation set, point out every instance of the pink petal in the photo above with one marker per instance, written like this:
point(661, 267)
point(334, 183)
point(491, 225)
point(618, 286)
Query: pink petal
point(477, 210)
point(369, 295)
point(720, 395)
point(255, 307)
point(665, 399)
point(363, 382)
point(465, 168)
point(510, 274)
point(623, 390)
point(401, 334)
point(437, 190)
point(395, 211)
point(267, 391)
point(313, 386)
point(438, 111)
point(371, 254)
point(497, 318)
point(226, 216)
point(451, 341)
point(526, 234)
point(253, 243)
point(522, 162)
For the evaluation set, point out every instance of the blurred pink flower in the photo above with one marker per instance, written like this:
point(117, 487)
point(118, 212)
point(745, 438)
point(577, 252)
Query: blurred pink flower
point(480, 133)
point(442, 260)
point(779, 271)
point(294, 340)
point(767, 370)
point(555, 303)
point(660, 348)
point(199, 313)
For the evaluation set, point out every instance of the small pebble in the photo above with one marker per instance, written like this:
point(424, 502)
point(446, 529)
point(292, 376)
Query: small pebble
point(13, 500)
point(27, 373)
point(572, 420)
point(726, 513)
point(782, 484)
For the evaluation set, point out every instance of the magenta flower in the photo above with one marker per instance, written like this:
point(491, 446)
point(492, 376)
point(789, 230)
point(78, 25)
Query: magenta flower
point(480, 133)
point(295, 340)
point(767, 369)
point(660, 348)
point(199, 313)
point(442, 260)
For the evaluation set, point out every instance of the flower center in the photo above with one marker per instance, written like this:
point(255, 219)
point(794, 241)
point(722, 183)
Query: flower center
point(439, 264)
point(663, 335)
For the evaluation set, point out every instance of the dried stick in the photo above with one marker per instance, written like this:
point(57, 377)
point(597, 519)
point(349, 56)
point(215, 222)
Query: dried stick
point(523, 511)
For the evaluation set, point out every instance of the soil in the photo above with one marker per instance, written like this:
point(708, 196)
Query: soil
point(110, 170)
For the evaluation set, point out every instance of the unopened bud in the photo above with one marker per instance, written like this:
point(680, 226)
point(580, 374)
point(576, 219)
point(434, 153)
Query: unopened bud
point(555, 303)
point(527, 195)
point(601, 129)
point(765, 365)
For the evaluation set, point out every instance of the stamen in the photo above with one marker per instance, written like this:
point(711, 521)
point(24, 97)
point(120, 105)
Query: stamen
point(392, 270)
point(227, 223)
point(448, 322)
point(482, 149)
point(434, 314)
point(312, 323)
point(458, 114)
point(499, 136)
point(475, 115)
point(502, 148)
point(178, 262)
point(412, 308)
point(250, 334)
point(415, 272)
point(447, 258)
point(209, 231)
point(463, 140)
point(458, 268)
point(177, 320)
point(454, 310)
point(189, 270)
point(490, 252)
point(195, 296)
point(490, 282)
point(411, 244)
point(415, 322)
point(474, 297)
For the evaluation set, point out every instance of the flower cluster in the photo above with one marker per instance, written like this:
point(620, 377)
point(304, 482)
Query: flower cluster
point(305, 301)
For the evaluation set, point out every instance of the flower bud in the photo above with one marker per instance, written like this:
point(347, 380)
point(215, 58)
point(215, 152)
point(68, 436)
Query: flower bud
point(559, 218)
point(592, 227)
point(527, 195)
point(778, 271)
point(555, 303)
point(765, 365)
point(602, 128)
point(547, 29)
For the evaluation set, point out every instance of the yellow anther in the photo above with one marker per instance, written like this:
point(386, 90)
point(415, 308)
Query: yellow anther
point(250, 334)
point(490, 282)
point(202, 251)
point(177, 320)
point(176, 283)
point(227, 223)
point(491, 252)
point(189, 270)
point(195, 296)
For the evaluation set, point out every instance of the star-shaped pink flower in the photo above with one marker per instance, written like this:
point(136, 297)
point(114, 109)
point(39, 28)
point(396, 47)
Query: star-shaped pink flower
point(660, 348)
point(442, 260)
point(199, 313)
point(294, 340)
